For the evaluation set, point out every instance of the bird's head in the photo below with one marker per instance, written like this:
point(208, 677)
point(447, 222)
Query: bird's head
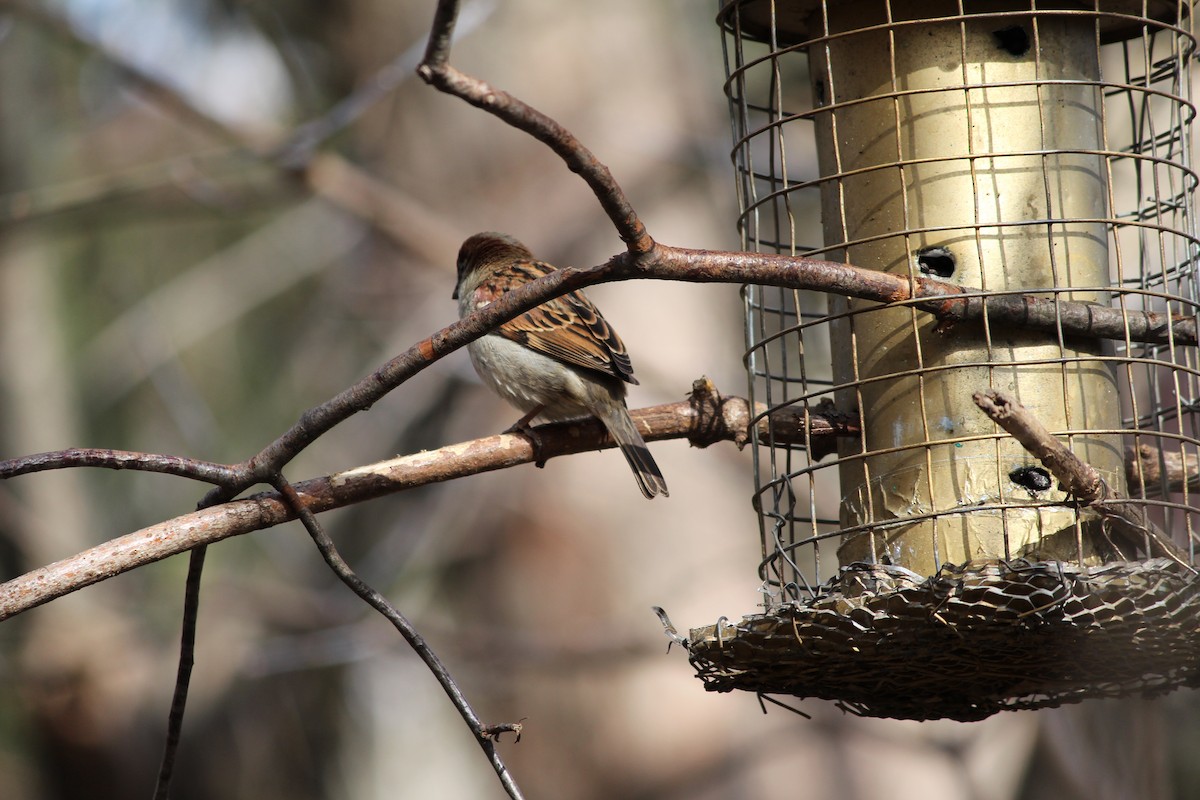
point(483, 252)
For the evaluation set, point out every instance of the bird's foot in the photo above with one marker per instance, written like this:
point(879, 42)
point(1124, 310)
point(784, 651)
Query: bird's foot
point(523, 427)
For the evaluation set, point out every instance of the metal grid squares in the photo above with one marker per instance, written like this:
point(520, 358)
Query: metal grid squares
point(1013, 150)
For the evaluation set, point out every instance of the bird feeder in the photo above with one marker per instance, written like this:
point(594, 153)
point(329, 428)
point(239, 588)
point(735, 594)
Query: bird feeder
point(929, 565)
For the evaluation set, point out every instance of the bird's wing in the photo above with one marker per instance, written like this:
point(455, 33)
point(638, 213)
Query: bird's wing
point(571, 329)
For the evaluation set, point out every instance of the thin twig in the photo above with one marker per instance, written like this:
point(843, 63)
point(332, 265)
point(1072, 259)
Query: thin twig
point(436, 71)
point(205, 471)
point(485, 735)
point(1076, 477)
point(187, 651)
point(183, 674)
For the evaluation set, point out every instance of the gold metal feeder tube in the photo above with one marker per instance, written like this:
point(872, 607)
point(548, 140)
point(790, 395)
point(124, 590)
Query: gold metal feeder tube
point(977, 161)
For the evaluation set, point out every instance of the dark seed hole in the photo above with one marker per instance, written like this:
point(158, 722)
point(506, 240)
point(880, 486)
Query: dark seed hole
point(936, 261)
point(1013, 40)
point(1035, 479)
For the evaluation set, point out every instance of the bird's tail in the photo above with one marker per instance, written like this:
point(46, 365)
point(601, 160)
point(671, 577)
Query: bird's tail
point(622, 429)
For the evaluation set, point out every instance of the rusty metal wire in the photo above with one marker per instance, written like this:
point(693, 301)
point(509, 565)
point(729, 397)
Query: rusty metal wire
point(1068, 629)
point(1062, 140)
point(1149, 226)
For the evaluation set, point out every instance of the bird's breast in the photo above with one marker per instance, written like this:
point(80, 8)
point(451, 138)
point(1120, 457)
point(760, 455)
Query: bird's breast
point(528, 379)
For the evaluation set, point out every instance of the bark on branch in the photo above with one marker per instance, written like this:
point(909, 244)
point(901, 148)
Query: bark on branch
point(1078, 478)
point(704, 418)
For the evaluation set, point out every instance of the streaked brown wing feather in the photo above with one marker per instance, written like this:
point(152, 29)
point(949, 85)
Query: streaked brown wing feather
point(571, 329)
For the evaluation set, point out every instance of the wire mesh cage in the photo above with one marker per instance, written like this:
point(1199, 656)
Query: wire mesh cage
point(1013, 148)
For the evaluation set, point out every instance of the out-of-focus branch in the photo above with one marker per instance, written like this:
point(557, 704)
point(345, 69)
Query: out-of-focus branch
point(155, 90)
point(302, 143)
point(704, 418)
point(948, 302)
point(1151, 471)
point(325, 174)
point(399, 216)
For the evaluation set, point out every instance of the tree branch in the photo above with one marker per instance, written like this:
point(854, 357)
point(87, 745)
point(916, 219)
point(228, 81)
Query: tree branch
point(950, 303)
point(703, 419)
point(203, 471)
point(1152, 471)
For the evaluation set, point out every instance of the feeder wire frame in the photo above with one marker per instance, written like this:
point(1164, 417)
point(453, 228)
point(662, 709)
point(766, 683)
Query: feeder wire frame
point(1151, 231)
point(1008, 631)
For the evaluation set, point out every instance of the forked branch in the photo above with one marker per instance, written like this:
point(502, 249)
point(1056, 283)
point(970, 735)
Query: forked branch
point(704, 418)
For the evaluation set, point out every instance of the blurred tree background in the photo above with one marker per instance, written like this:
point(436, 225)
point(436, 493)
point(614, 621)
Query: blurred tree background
point(182, 273)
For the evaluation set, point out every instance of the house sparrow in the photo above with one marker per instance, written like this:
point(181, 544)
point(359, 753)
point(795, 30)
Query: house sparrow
point(561, 360)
